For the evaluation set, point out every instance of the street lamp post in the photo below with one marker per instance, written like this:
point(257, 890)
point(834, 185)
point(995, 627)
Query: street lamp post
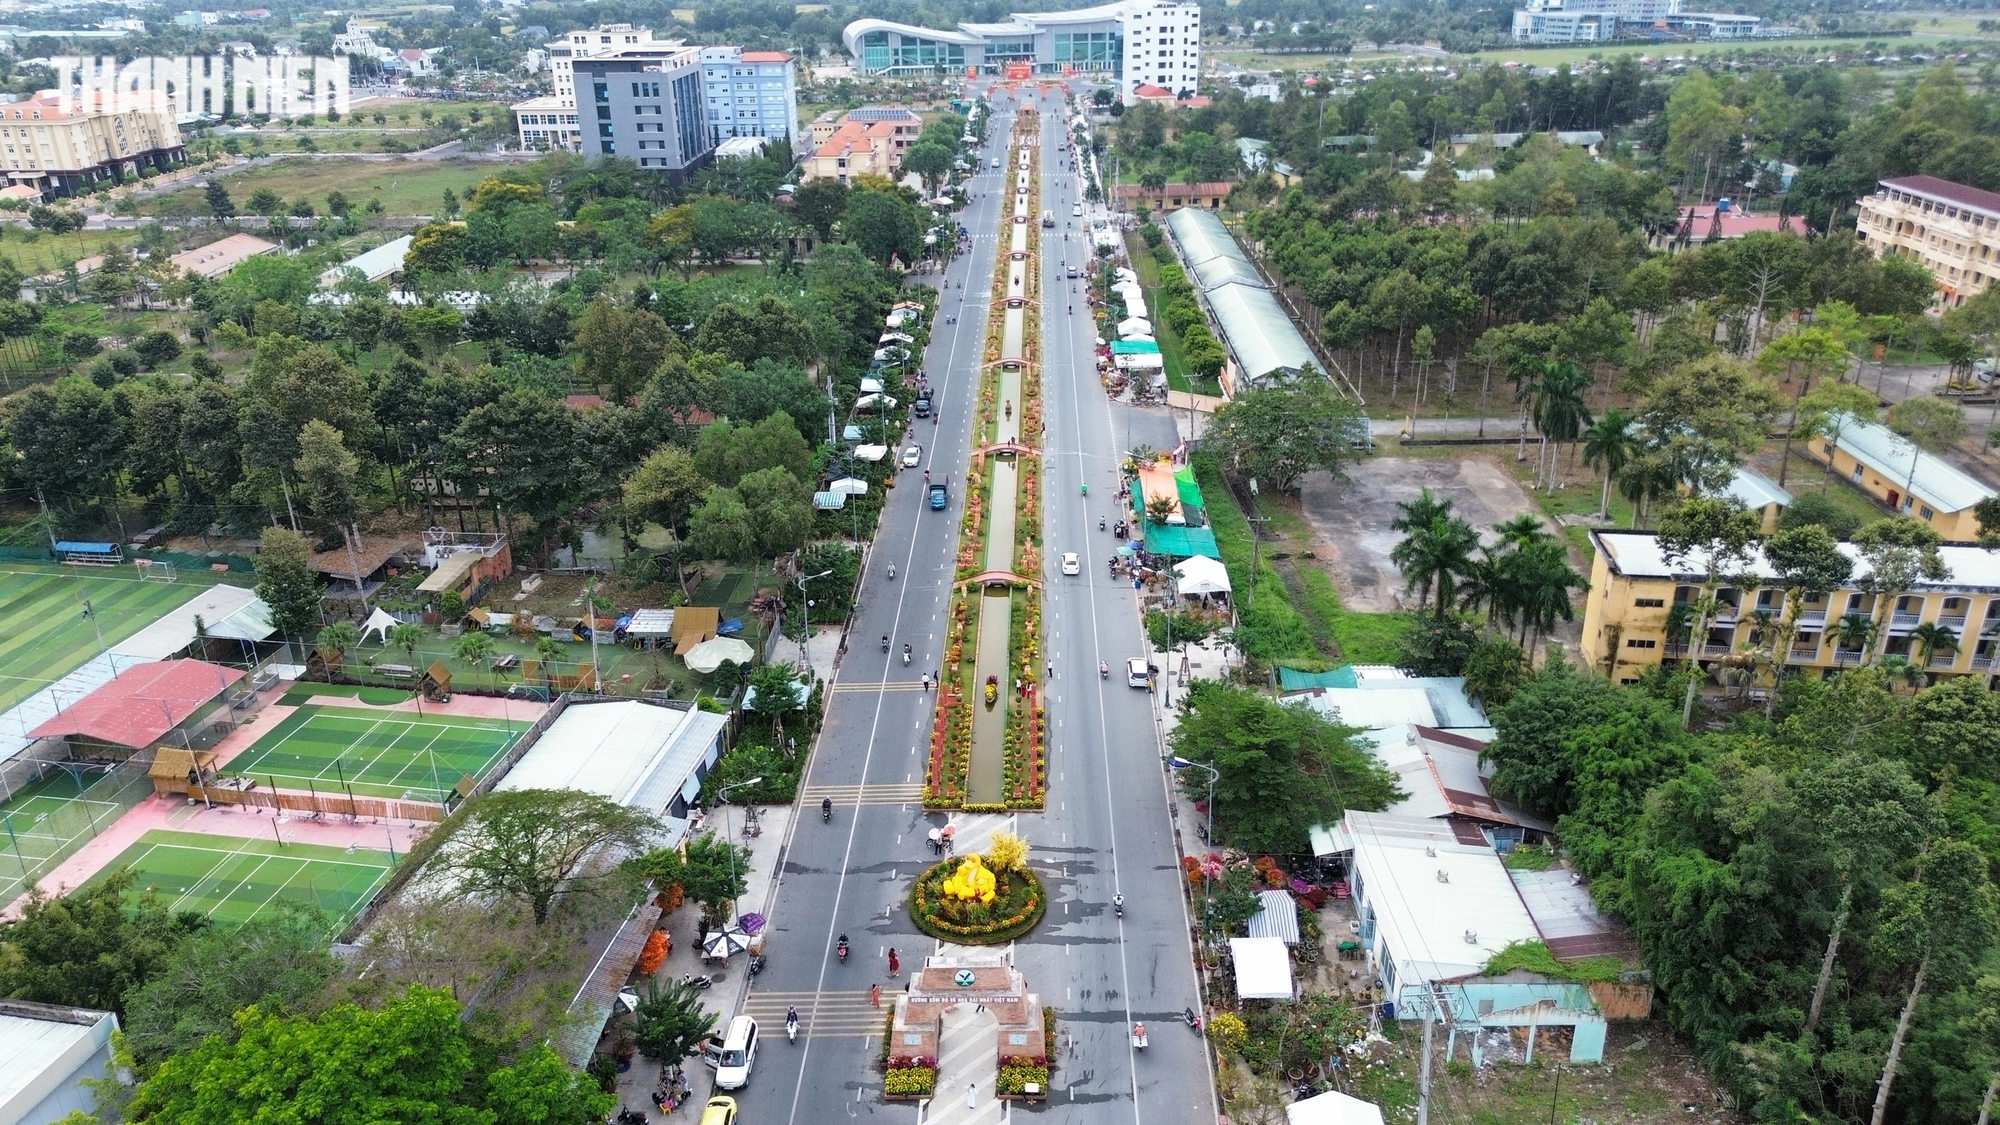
point(729, 841)
point(1208, 829)
point(805, 624)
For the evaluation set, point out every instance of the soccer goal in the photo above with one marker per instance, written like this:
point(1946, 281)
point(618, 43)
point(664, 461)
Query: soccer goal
point(155, 570)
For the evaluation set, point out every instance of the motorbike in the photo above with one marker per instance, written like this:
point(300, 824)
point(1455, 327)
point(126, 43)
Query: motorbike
point(992, 690)
point(1118, 904)
point(756, 963)
point(885, 642)
point(1189, 1018)
point(792, 1025)
point(841, 949)
point(826, 810)
point(705, 980)
point(1103, 670)
point(906, 654)
point(1100, 523)
point(892, 572)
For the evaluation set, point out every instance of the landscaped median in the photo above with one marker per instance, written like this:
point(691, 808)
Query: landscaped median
point(986, 762)
point(980, 900)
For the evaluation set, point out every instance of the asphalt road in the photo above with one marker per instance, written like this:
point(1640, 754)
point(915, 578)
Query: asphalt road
point(1107, 826)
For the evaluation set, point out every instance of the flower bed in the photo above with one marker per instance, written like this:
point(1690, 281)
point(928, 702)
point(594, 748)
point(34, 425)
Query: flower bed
point(1024, 774)
point(1018, 1072)
point(910, 1076)
point(1018, 904)
point(951, 729)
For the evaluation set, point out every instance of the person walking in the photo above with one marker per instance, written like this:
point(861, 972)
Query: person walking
point(971, 1096)
point(895, 966)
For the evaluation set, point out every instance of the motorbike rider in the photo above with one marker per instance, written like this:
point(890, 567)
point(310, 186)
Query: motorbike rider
point(826, 808)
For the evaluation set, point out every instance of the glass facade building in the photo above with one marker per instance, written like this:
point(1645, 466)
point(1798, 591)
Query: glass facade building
point(1134, 43)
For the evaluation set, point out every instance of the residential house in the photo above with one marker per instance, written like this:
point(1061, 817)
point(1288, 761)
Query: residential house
point(1909, 481)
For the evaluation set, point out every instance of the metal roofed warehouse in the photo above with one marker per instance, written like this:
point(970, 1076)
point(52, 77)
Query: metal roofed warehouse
point(1260, 337)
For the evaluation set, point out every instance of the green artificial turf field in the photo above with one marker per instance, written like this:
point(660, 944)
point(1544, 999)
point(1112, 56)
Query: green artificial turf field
point(401, 755)
point(230, 879)
point(47, 820)
point(46, 635)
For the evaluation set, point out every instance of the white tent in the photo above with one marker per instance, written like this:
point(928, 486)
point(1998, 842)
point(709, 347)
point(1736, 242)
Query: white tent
point(1123, 274)
point(870, 452)
point(851, 486)
point(1202, 575)
point(1333, 1108)
point(873, 401)
point(870, 386)
point(1134, 326)
point(707, 656)
point(1152, 362)
point(380, 623)
point(1263, 968)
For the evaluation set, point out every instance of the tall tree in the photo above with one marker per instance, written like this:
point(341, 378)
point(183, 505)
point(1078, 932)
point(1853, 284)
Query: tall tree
point(1279, 434)
point(1713, 536)
point(277, 961)
point(286, 582)
point(1939, 923)
point(328, 475)
point(534, 845)
point(1899, 552)
point(1435, 551)
point(619, 348)
point(91, 947)
point(1608, 444)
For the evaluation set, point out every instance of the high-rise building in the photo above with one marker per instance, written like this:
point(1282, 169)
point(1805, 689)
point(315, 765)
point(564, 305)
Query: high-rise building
point(1591, 21)
point(55, 148)
point(750, 94)
point(1133, 43)
point(737, 93)
point(649, 110)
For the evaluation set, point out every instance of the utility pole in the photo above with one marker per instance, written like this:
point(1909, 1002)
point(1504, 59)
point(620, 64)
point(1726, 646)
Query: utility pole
point(1256, 544)
point(47, 525)
point(1424, 1069)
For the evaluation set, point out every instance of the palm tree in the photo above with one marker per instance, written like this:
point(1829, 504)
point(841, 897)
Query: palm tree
point(1484, 586)
point(1609, 444)
point(548, 648)
point(1524, 530)
point(1560, 412)
point(473, 649)
point(1435, 554)
point(1931, 638)
point(334, 642)
point(1903, 671)
point(1856, 631)
point(1153, 180)
point(1543, 580)
point(406, 637)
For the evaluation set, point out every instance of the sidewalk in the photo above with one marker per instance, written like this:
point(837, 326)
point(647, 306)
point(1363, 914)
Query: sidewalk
point(823, 646)
point(637, 1083)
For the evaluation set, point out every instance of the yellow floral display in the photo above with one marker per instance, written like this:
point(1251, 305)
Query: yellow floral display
point(971, 881)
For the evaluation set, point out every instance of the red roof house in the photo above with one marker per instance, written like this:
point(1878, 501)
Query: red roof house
point(142, 704)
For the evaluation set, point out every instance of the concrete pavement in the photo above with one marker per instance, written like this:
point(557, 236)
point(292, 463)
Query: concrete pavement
point(1107, 827)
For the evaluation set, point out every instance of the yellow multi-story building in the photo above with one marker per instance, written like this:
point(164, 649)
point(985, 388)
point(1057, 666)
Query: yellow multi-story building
point(1634, 588)
point(58, 150)
point(1952, 229)
point(1905, 479)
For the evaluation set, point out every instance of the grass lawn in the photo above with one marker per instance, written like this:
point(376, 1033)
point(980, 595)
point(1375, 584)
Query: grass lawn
point(37, 253)
point(405, 187)
point(232, 879)
point(1148, 269)
point(47, 635)
point(1295, 616)
point(399, 755)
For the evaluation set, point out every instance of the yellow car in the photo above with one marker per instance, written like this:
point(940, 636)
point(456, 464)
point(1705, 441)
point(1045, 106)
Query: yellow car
point(719, 1111)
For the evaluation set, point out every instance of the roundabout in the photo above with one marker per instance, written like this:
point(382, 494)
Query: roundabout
point(971, 901)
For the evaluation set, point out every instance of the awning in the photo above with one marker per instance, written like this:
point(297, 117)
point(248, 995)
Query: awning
point(870, 385)
point(1202, 575)
point(829, 501)
point(1136, 347)
point(1180, 542)
point(450, 572)
point(1263, 968)
point(1154, 362)
point(1278, 917)
point(850, 486)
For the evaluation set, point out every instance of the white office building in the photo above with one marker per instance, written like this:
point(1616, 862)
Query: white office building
point(1592, 21)
point(1132, 43)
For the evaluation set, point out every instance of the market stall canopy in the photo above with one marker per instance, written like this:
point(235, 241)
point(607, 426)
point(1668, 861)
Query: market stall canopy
point(1123, 273)
point(1154, 362)
point(1333, 1108)
point(724, 943)
point(870, 452)
point(871, 386)
point(1135, 326)
point(866, 402)
point(1136, 347)
point(1202, 575)
point(709, 655)
point(1263, 968)
point(852, 486)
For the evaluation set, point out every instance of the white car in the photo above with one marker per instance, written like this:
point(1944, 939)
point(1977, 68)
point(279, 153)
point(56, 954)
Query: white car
point(912, 455)
point(1071, 564)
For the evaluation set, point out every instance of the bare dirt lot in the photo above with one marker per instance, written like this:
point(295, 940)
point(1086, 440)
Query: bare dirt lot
point(1352, 517)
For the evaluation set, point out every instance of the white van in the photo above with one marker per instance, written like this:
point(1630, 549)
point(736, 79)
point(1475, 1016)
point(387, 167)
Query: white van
point(739, 1051)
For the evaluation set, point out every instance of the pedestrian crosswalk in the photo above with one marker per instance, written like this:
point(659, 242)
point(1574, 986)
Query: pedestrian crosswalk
point(845, 796)
point(974, 831)
point(822, 1015)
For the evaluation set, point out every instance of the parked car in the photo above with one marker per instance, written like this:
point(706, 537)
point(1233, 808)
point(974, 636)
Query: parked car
point(912, 455)
point(1071, 564)
point(1137, 674)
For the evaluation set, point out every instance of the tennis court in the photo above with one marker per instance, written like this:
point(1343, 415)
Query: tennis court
point(230, 879)
point(401, 756)
point(47, 820)
point(47, 635)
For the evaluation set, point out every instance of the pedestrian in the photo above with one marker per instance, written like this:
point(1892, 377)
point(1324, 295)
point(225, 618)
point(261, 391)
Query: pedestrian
point(971, 1096)
point(895, 965)
point(875, 995)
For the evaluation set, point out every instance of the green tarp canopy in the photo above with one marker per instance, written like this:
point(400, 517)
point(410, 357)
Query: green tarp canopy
point(1190, 491)
point(1135, 347)
point(1180, 542)
point(1291, 679)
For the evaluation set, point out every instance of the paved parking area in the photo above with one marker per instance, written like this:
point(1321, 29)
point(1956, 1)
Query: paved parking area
point(1351, 518)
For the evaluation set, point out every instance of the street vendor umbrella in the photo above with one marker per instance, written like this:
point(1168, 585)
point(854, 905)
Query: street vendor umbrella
point(751, 923)
point(707, 656)
point(723, 943)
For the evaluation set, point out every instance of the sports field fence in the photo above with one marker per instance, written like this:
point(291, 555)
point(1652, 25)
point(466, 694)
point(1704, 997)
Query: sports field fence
point(48, 830)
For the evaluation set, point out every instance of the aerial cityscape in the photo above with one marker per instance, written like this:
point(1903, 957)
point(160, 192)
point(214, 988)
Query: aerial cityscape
point(1334, 564)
